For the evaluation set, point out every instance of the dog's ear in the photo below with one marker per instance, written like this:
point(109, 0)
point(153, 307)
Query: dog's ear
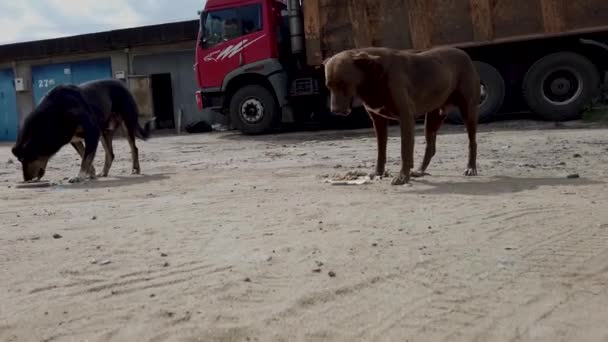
point(367, 62)
point(17, 152)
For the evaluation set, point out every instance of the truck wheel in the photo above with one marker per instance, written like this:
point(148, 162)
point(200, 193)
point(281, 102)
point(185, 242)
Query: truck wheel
point(253, 110)
point(558, 85)
point(492, 94)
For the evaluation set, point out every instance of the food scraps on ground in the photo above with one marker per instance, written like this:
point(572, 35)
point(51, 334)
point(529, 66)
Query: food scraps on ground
point(33, 184)
point(350, 178)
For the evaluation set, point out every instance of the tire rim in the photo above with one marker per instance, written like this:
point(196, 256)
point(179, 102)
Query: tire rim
point(484, 95)
point(562, 86)
point(252, 110)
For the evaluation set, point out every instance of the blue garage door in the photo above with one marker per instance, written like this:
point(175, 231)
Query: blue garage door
point(8, 107)
point(46, 77)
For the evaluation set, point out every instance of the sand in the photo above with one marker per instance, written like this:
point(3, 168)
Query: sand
point(233, 238)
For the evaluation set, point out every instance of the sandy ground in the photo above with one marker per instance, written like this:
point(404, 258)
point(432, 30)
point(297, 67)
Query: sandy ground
point(232, 238)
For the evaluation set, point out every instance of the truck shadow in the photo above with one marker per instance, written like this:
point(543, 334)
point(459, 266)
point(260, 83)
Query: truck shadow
point(331, 134)
point(496, 185)
point(308, 135)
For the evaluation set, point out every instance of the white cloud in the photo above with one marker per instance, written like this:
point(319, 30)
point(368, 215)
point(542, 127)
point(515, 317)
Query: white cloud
point(23, 20)
point(17, 19)
point(110, 13)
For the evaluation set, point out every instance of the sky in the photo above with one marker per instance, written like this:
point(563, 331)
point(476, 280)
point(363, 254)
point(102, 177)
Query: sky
point(25, 20)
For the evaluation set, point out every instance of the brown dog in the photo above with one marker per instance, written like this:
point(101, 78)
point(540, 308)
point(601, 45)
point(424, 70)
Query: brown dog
point(399, 85)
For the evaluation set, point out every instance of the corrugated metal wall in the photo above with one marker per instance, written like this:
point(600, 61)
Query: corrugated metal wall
point(8, 106)
point(180, 66)
point(46, 77)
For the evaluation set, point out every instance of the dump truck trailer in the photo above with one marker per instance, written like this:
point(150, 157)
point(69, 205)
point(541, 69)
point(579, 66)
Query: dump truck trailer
point(260, 61)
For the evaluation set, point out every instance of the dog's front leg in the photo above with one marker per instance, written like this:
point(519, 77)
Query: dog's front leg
point(86, 166)
point(381, 129)
point(79, 147)
point(407, 124)
point(432, 124)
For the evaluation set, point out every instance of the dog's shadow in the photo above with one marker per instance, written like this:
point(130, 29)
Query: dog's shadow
point(494, 185)
point(116, 181)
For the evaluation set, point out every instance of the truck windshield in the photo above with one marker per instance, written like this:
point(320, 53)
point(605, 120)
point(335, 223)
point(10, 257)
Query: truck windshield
point(224, 25)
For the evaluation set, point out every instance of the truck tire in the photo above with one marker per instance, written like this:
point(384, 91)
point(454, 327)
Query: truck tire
point(492, 94)
point(558, 86)
point(253, 110)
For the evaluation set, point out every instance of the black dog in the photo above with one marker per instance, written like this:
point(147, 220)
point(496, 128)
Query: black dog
point(73, 114)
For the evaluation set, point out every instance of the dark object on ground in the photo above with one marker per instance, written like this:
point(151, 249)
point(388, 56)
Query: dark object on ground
point(33, 184)
point(199, 127)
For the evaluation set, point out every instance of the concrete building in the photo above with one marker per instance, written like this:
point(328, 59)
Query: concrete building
point(156, 61)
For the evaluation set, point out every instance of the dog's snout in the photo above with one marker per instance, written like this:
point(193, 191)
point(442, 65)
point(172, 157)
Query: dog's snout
point(340, 110)
point(339, 107)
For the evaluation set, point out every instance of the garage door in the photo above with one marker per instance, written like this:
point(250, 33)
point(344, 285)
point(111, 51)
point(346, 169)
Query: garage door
point(46, 77)
point(8, 106)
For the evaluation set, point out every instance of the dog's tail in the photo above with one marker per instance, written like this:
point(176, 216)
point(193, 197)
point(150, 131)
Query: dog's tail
point(131, 116)
point(143, 133)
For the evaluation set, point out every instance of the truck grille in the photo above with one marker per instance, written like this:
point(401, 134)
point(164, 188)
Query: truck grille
point(304, 87)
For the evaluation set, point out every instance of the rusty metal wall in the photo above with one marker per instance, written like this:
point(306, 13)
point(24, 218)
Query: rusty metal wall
point(586, 13)
point(335, 25)
point(516, 17)
point(141, 88)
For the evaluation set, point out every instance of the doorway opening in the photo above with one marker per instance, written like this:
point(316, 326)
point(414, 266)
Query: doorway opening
point(162, 101)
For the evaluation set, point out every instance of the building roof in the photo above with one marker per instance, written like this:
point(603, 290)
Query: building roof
point(102, 41)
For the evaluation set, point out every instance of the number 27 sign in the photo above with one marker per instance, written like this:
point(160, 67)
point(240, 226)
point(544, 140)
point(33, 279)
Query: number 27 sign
point(46, 83)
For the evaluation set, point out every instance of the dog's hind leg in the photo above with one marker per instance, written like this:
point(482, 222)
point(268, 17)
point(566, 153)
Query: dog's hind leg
point(106, 141)
point(130, 133)
point(79, 147)
point(432, 123)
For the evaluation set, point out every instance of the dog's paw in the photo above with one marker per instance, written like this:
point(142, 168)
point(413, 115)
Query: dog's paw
point(76, 179)
point(419, 174)
point(470, 172)
point(135, 171)
point(375, 174)
point(402, 179)
point(102, 175)
point(82, 178)
point(379, 174)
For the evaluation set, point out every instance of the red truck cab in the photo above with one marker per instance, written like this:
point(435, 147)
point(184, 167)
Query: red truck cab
point(240, 62)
